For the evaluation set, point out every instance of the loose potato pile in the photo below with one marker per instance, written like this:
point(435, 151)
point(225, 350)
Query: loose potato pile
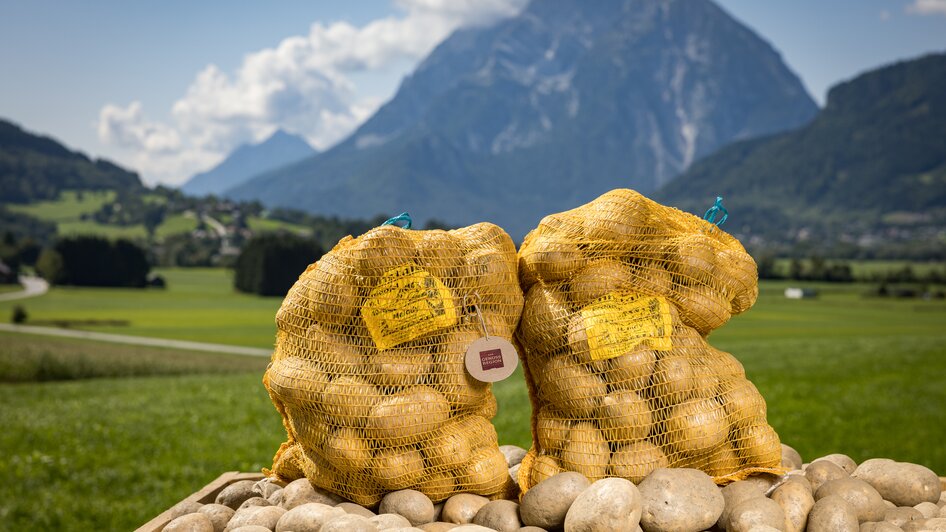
point(620, 293)
point(368, 371)
point(831, 494)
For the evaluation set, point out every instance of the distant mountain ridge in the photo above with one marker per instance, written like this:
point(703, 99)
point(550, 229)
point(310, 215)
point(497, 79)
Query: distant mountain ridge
point(35, 167)
point(548, 109)
point(248, 160)
point(872, 164)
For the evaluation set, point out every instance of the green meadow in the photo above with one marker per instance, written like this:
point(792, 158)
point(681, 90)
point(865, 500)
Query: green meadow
point(199, 304)
point(134, 430)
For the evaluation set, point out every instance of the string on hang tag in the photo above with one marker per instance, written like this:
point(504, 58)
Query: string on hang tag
point(479, 315)
point(491, 358)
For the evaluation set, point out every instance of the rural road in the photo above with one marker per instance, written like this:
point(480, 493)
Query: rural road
point(137, 340)
point(32, 287)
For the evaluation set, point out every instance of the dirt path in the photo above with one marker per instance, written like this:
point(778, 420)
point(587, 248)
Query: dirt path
point(32, 287)
point(137, 340)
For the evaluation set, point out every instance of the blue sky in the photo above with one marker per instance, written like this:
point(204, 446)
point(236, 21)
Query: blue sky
point(168, 88)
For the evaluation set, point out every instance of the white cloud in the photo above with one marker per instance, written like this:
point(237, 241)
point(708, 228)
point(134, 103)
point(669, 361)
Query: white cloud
point(927, 7)
point(302, 85)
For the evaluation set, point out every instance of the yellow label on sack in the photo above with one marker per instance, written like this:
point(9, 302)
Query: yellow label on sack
point(617, 323)
point(407, 303)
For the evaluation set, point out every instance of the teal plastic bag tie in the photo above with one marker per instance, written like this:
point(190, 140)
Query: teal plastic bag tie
point(403, 217)
point(717, 208)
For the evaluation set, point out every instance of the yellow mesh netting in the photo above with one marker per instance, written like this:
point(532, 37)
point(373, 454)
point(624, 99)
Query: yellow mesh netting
point(620, 294)
point(368, 371)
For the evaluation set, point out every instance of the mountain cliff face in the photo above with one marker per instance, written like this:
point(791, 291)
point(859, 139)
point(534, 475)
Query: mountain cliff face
point(873, 162)
point(248, 160)
point(548, 109)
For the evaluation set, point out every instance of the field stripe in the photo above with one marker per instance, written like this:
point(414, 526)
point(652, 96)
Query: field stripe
point(137, 340)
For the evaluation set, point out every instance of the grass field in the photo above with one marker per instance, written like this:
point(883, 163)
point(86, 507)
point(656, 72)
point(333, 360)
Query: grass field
point(198, 304)
point(69, 206)
point(66, 212)
point(7, 288)
point(840, 373)
point(265, 224)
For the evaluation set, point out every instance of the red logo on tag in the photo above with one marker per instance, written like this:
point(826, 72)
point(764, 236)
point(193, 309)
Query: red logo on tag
point(492, 359)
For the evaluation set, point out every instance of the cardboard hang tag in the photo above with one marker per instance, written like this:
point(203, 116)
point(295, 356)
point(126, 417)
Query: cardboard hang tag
point(491, 359)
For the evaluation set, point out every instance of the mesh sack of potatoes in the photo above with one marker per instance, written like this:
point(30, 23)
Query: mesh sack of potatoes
point(621, 380)
point(368, 369)
point(624, 238)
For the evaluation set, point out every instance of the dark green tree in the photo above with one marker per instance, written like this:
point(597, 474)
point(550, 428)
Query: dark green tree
point(270, 263)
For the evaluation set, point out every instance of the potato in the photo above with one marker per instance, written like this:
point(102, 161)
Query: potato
point(350, 400)
point(347, 450)
point(790, 458)
point(543, 467)
point(740, 275)
point(651, 277)
point(631, 371)
point(380, 250)
point(307, 518)
point(586, 451)
point(697, 426)
point(578, 343)
point(361, 487)
point(413, 505)
point(796, 502)
point(608, 504)
point(486, 474)
point(500, 515)
point(449, 373)
point(679, 499)
point(311, 427)
point(724, 364)
point(818, 473)
point(398, 468)
point(618, 219)
point(693, 256)
point(502, 324)
point(867, 503)
point(597, 280)
point(484, 235)
point(544, 320)
point(552, 260)
point(546, 504)
point(333, 290)
point(624, 417)
point(673, 379)
point(743, 403)
point(439, 485)
point(407, 415)
point(488, 408)
point(462, 508)
point(722, 461)
point(701, 307)
point(756, 512)
point(551, 429)
point(902, 483)
point(758, 445)
point(441, 254)
point(337, 354)
point(494, 278)
point(399, 366)
point(832, 514)
point(843, 461)
point(449, 447)
point(296, 380)
point(569, 387)
point(636, 460)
